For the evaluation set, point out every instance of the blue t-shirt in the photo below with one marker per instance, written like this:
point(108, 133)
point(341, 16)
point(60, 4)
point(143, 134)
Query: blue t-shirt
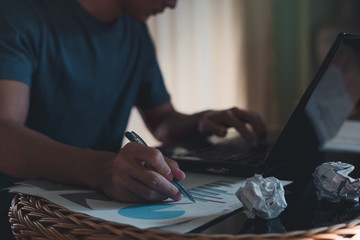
point(85, 75)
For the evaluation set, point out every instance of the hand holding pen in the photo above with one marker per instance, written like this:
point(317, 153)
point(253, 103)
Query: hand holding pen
point(133, 137)
point(139, 174)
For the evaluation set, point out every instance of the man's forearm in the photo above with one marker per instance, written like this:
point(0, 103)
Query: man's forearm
point(27, 154)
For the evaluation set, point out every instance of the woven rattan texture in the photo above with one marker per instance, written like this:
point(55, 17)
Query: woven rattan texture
point(37, 218)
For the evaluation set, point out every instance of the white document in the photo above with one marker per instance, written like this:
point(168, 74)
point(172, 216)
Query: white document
point(347, 139)
point(214, 195)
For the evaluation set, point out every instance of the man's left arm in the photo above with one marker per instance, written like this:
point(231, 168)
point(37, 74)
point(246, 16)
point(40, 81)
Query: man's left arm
point(168, 125)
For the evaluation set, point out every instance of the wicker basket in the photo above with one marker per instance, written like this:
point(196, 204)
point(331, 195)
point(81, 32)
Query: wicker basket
point(37, 218)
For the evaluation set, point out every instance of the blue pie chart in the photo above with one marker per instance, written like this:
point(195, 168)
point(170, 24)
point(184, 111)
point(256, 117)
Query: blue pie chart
point(152, 212)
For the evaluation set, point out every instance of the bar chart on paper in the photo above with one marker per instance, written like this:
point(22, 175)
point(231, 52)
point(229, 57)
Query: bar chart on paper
point(213, 192)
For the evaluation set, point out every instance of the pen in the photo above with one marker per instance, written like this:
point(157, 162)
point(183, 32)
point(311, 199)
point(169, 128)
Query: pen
point(133, 137)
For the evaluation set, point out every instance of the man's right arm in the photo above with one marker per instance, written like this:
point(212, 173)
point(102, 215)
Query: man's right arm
point(28, 154)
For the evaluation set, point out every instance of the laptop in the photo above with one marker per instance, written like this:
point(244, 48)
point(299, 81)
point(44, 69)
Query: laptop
point(328, 102)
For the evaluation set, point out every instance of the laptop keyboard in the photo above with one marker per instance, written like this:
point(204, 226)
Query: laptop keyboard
point(232, 150)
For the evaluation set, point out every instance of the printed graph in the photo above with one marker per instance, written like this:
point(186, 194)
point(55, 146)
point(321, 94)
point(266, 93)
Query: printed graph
point(212, 192)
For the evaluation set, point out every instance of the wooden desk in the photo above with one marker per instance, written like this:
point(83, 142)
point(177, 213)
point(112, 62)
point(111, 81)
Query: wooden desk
point(36, 218)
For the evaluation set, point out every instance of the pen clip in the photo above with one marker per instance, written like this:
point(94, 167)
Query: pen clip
point(138, 138)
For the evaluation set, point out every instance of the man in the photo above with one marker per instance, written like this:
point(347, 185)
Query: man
point(70, 72)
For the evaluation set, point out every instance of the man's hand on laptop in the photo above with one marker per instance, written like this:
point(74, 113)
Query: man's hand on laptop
point(217, 122)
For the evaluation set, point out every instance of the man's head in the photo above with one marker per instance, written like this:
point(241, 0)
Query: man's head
point(142, 9)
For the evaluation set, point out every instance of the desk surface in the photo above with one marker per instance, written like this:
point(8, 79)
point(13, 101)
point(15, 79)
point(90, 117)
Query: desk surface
point(304, 212)
point(33, 217)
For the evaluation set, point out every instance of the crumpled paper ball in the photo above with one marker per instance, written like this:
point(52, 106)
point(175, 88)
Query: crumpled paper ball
point(333, 183)
point(262, 197)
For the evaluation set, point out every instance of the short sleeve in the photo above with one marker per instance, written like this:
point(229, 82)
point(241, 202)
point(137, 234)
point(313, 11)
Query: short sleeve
point(152, 91)
point(18, 30)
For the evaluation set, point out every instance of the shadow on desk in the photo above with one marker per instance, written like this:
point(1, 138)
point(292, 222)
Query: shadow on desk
point(5, 228)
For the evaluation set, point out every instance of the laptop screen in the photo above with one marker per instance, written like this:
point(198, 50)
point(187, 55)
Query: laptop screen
point(328, 106)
